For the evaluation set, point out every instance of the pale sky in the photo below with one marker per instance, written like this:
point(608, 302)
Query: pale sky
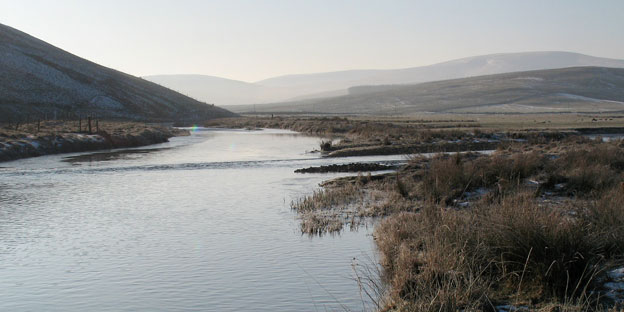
point(253, 40)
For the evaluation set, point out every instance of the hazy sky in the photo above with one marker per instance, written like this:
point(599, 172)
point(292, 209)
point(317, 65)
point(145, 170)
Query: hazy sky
point(253, 40)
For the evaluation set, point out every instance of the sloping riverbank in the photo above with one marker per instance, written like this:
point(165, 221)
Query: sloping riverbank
point(55, 137)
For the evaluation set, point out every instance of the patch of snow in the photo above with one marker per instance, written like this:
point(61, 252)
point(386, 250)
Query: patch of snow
point(578, 97)
point(510, 308)
point(615, 287)
point(530, 78)
point(531, 108)
point(617, 274)
point(584, 98)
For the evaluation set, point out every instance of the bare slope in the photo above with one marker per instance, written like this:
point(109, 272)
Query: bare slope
point(39, 79)
point(587, 89)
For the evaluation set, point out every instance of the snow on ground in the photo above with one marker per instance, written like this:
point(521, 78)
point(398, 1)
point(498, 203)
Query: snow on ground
point(579, 97)
point(615, 287)
point(530, 78)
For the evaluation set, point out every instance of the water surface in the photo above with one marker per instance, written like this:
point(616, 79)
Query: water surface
point(200, 223)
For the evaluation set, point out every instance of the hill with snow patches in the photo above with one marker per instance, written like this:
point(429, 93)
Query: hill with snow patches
point(308, 86)
point(575, 89)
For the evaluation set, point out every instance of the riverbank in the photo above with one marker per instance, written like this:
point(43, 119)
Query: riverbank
point(532, 225)
point(360, 136)
point(55, 137)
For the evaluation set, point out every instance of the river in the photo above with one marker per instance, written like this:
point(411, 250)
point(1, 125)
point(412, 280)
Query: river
point(201, 223)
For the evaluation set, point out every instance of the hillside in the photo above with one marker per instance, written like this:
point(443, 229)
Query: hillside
point(577, 89)
point(39, 79)
point(219, 91)
point(460, 68)
point(298, 87)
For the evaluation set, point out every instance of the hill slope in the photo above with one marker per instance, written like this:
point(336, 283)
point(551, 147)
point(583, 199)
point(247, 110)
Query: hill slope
point(297, 87)
point(556, 90)
point(460, 68)
point(39, 79)
point(218, 90)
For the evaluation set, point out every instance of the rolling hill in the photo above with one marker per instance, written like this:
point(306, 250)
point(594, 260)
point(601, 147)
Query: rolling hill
point(575, 89)
point(308, 86)
point(38, 79)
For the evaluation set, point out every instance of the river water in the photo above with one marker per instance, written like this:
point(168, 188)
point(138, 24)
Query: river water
point(201, 223)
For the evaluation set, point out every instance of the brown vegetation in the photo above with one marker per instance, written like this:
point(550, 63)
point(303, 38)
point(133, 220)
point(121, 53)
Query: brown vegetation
point(359, 136)
point(52, 137)
point(515, 251)
point(531, 224)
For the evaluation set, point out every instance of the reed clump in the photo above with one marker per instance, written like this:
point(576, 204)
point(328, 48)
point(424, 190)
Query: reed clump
point(516, 251)
point(449, 177)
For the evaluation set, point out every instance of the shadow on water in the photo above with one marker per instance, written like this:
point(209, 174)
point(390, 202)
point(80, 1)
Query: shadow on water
point(110, 156)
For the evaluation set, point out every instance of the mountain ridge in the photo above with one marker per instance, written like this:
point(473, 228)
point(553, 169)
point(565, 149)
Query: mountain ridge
point(301, 86)
point(587, 89)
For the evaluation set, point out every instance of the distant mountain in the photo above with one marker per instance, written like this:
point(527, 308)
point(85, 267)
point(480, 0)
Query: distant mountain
point(576, 89)
point(308, 86)
point(461, 68)
point(217, 90)
point(39, 79)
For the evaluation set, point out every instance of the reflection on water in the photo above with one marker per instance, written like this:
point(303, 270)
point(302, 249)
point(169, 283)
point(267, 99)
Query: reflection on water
point(112, 155)
point(199, 223)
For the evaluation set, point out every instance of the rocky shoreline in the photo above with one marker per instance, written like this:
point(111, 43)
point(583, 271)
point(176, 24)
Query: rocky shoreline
point(24, 144)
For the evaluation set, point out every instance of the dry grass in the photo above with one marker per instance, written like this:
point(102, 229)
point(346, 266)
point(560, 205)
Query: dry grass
point(53, 137)
point(329, 209)
point(449, 177)
point(51, 127)
point(549, 227)
point(514, 251)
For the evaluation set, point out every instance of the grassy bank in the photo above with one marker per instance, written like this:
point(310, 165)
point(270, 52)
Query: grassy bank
point(53, 137)
point(361, 136)
point(539, 223)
